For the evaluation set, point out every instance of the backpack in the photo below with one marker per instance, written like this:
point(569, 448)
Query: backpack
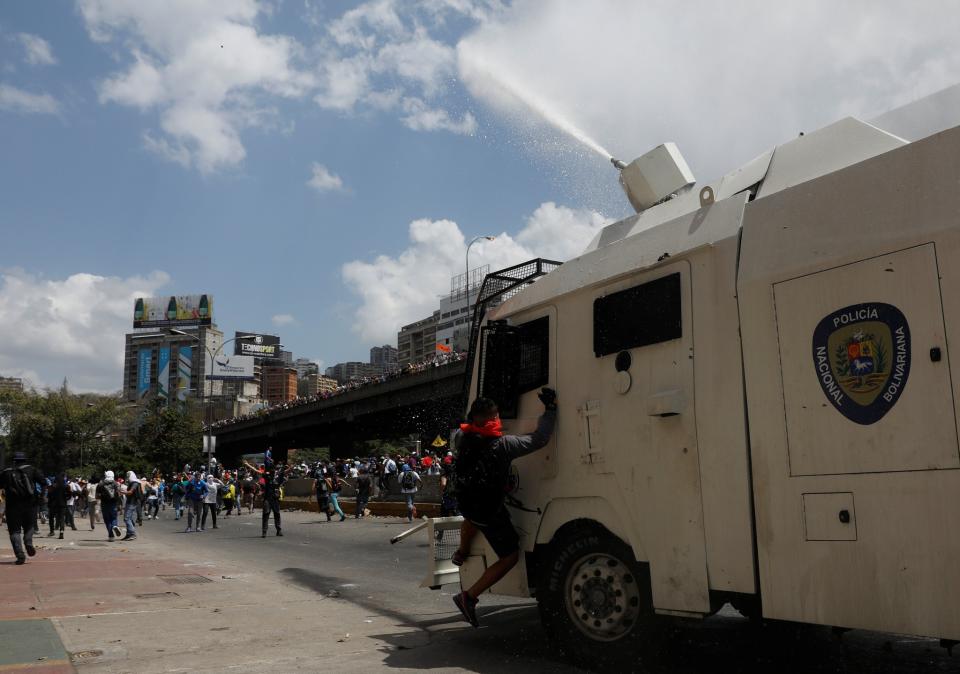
point(110, 490)
point(408, 481)
point(482, 475)
point(19, 487)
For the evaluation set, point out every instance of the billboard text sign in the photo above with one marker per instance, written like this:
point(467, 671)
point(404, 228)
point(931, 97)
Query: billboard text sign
point(172, 311)
point(230, 367)
point(258, 346)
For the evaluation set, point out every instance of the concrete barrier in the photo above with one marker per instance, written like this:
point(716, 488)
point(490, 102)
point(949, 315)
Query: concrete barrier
point(429, 491)
point(349, 505)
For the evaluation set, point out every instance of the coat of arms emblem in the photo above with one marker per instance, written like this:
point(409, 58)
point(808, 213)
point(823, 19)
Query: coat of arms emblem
point(861, 355)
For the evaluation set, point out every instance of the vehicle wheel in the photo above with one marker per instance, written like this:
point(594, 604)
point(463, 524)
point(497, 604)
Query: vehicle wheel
point(594, 599)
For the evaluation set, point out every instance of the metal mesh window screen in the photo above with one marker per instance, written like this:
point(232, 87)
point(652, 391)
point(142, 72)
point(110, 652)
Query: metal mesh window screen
point(645, 314)
point(534, 366)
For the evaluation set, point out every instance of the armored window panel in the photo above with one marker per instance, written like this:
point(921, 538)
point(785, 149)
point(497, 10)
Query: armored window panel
point(499, 367)
point(645, 314)
point(534, 366)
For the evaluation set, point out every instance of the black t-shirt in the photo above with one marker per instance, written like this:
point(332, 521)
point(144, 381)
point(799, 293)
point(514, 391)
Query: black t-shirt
point(364, 484)
point(273, 480)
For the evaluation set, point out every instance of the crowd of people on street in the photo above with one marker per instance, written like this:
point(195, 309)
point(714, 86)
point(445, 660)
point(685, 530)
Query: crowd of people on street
point(201, 495)
point(351, 385)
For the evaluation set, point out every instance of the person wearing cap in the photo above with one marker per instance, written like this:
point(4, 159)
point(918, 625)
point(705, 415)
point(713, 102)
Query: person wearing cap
point(19, 484)
point(108, 493)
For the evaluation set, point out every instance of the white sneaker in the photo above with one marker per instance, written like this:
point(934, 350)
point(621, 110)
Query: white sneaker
point(189, 530)
point(200, 529)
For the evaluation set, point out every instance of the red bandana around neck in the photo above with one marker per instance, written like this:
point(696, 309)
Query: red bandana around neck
point(491, 429)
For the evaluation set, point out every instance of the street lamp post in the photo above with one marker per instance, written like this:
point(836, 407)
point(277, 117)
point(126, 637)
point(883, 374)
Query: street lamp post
point(467, 277)
point(203, 388)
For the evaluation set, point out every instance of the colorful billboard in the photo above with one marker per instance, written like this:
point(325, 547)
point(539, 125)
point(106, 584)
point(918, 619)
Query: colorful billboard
point(163, 372)
point(172, 311)
point(143, 372)
point(184, 370)
point(258, 346)
point(230, 367)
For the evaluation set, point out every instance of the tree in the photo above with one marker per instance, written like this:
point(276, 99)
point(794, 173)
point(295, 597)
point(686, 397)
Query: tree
point(56, 428)
point(170, 435)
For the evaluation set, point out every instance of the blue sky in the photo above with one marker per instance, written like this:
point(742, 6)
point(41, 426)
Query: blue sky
point(318, 171)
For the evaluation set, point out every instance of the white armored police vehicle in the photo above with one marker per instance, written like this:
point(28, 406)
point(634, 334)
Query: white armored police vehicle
point(757, 401)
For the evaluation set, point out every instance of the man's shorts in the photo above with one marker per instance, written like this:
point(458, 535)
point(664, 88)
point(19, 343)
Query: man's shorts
point(499, 532)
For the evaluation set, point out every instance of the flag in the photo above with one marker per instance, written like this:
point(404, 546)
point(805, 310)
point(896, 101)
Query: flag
point(443, 347)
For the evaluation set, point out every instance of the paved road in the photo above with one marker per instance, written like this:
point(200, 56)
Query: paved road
point(354, 562)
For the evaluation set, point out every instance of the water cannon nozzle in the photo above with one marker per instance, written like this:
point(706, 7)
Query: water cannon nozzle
point(618, 163)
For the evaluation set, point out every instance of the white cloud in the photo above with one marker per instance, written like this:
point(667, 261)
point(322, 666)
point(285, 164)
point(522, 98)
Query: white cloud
point(71, 327)
point(322, 180)
point(13, 99)
point(203, 66)
point(394, 291)
point(382, 56)
point(420, 117)
point(37, 51)
point(283, 319)
point(635, 74)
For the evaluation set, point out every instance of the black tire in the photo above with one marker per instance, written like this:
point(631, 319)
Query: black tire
point(594, 599)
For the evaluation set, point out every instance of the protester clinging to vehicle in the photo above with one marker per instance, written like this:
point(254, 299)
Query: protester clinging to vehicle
point(484, 455)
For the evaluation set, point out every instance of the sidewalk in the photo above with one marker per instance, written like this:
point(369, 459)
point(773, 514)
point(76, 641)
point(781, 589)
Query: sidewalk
point(85, 605)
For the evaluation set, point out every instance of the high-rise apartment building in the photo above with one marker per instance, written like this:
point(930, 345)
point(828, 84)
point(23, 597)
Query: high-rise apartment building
point(315, 384)
point(417, 341)
point(344, 372)
point(11, 384)
point(161, 363)
point(384, 356)
point(278, 383)
point(305, 366)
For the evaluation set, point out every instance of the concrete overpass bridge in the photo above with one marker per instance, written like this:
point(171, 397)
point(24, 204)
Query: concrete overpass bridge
point(426, 403)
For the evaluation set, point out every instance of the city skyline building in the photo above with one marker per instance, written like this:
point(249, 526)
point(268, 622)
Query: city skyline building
point(11, 384)
point(160, 363)
point(417, 341)
point(278, 383)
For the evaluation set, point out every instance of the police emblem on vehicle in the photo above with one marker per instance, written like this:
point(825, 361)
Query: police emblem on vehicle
point(861, 355)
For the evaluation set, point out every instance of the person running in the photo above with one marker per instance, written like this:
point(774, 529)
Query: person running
point(132, 509)
point(178, 489)
point(409, 484)
point(153, 499)
point(210, 500)
point(322, 490)
point(196, 492)
point(19, 484)
point(364, 486)
point(93, 503)
point(389, 474)
point(108, 494)
point(57, 503)
point(271, 481)
point(230, 493)
point(484, 455)
point(334, 487)
point(73, 491)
